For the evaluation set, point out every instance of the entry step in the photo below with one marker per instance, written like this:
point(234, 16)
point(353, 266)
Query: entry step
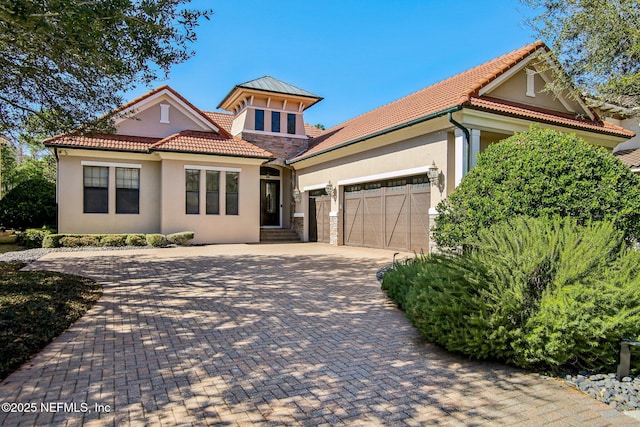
point(278, 235)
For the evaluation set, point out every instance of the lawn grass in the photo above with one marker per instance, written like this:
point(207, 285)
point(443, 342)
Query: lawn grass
point(35, 307)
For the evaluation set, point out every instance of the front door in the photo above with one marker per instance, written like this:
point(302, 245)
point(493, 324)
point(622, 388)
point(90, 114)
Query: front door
point(270, 203)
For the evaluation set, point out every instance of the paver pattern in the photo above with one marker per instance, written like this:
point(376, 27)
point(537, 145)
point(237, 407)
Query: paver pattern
point(267, 335)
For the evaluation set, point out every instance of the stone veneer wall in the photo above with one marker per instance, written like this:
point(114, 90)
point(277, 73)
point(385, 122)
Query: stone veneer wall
point(333, 230)
point(282, 146)
point(297, 225)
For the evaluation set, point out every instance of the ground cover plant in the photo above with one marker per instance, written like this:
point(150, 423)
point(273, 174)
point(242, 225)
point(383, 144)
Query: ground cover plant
point(544, 294)
point(540, 173)
point(35, 307)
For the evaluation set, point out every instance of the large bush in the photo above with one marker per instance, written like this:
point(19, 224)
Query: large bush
point(31, 204)
point(540, 173)
point(537, 293)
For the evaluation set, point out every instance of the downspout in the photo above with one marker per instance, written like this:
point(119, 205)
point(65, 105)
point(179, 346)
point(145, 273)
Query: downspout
point(467, 139)
point(55, 154)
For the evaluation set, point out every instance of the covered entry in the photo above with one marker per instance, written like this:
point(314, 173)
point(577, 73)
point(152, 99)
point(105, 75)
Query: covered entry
point(319, 208)
point(391, 214)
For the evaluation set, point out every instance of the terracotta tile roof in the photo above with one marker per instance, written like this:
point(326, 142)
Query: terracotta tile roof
point(455, 92)
point(629, 157)
point(312, 131)
point(188, 141)
point(191, 141)
point(103, 142)
point(554, 117)
point(225, 120)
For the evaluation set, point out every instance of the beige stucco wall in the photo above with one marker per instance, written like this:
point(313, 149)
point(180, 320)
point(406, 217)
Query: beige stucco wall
point(147, 122)
point(71, 218)
point(416, 152)
point(515, 88)
point(242, 228)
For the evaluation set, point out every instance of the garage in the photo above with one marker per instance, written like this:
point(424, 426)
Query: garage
point(319, 208)
point(389, 214)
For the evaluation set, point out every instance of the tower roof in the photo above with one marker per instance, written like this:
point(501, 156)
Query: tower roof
point(268, 84)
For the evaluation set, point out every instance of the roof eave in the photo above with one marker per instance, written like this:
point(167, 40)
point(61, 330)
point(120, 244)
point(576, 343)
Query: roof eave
point(379, 133)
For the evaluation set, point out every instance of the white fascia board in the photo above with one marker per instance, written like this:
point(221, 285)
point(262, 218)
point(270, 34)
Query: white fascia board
point(111, 164)
point(213, 168)
point(315, 187)
point(179, 104)
point(386, 175)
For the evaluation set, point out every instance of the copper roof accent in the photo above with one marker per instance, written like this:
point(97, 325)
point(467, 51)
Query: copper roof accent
point(629, 157)
point(191, 141)
point(553, 117)
point(110, 142)
point(461, 90)
point(268, 84)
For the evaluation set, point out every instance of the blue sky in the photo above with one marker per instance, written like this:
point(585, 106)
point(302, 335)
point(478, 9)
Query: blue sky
point(356, 54)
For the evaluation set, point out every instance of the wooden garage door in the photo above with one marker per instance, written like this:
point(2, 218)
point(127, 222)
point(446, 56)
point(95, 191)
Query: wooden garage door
point(391, 214)
point(319, 207)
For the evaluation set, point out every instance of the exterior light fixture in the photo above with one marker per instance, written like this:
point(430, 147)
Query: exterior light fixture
point(330, 189)
point(296, 195)
point(433, 174)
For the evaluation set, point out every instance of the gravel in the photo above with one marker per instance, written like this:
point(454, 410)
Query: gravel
point(30, 255)
point(623, 395)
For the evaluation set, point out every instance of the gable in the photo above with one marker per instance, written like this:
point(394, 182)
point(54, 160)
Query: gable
point(160, 114)
point(526, 84)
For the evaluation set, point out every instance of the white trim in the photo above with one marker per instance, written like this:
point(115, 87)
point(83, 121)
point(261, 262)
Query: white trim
point(315, 187)
point(298, 215)
point(433, 211)
point(508, 74)
point(381, 176)
point(213, 168)
point(333, 214)
point(164, 113)
point(182, 107)
point(635, 170)
point(559, 96)
point(111, 164)
point(531, 82)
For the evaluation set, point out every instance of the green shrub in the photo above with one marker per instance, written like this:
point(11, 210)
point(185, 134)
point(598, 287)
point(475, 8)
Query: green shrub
point(113, 240)
point(540, 173)
point(52, 240)
point(78, 241)
point(543, 294)
point(33, 237)
point(135, 240)
point(180, 238)
point(31, 203)
point(156, 240)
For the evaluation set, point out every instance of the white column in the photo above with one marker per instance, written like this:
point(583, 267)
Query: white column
point(460, 157)
point(475, 146)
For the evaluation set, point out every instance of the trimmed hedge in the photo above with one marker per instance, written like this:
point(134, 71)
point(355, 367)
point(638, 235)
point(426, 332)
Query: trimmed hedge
point(114, 240)
point(541, 294)
point(180, 238)
point(33, 237)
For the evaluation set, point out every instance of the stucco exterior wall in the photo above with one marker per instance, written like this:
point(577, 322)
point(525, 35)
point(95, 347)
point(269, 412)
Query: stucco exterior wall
point(221, 228)
point(147, 122)
point(71, 218)
point(417, 152)
point(514, 89)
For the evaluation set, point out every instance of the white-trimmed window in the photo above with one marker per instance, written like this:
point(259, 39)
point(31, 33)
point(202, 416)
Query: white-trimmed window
point(127, 190)
point(232, 192)
point(96, 189)
point(213, 192)
point(192, 180)
point(220, 184)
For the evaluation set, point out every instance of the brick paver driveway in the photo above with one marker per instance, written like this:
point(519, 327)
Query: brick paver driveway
point(265, 334)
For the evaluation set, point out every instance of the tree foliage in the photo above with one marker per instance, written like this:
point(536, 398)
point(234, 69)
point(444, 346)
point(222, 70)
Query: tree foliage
point(72, 58)
point(31, 204)
point(540, 173)
point(597, 43)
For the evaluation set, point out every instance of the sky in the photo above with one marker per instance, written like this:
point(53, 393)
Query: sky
point(356, 54)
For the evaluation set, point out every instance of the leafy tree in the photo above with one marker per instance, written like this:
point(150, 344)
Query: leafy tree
point(7, 166)
point(31, 204)
point(72, 58)
point(597, 43)
point(540, 173)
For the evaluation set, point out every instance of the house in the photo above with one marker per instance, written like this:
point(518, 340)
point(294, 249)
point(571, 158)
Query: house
point(372, 181)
